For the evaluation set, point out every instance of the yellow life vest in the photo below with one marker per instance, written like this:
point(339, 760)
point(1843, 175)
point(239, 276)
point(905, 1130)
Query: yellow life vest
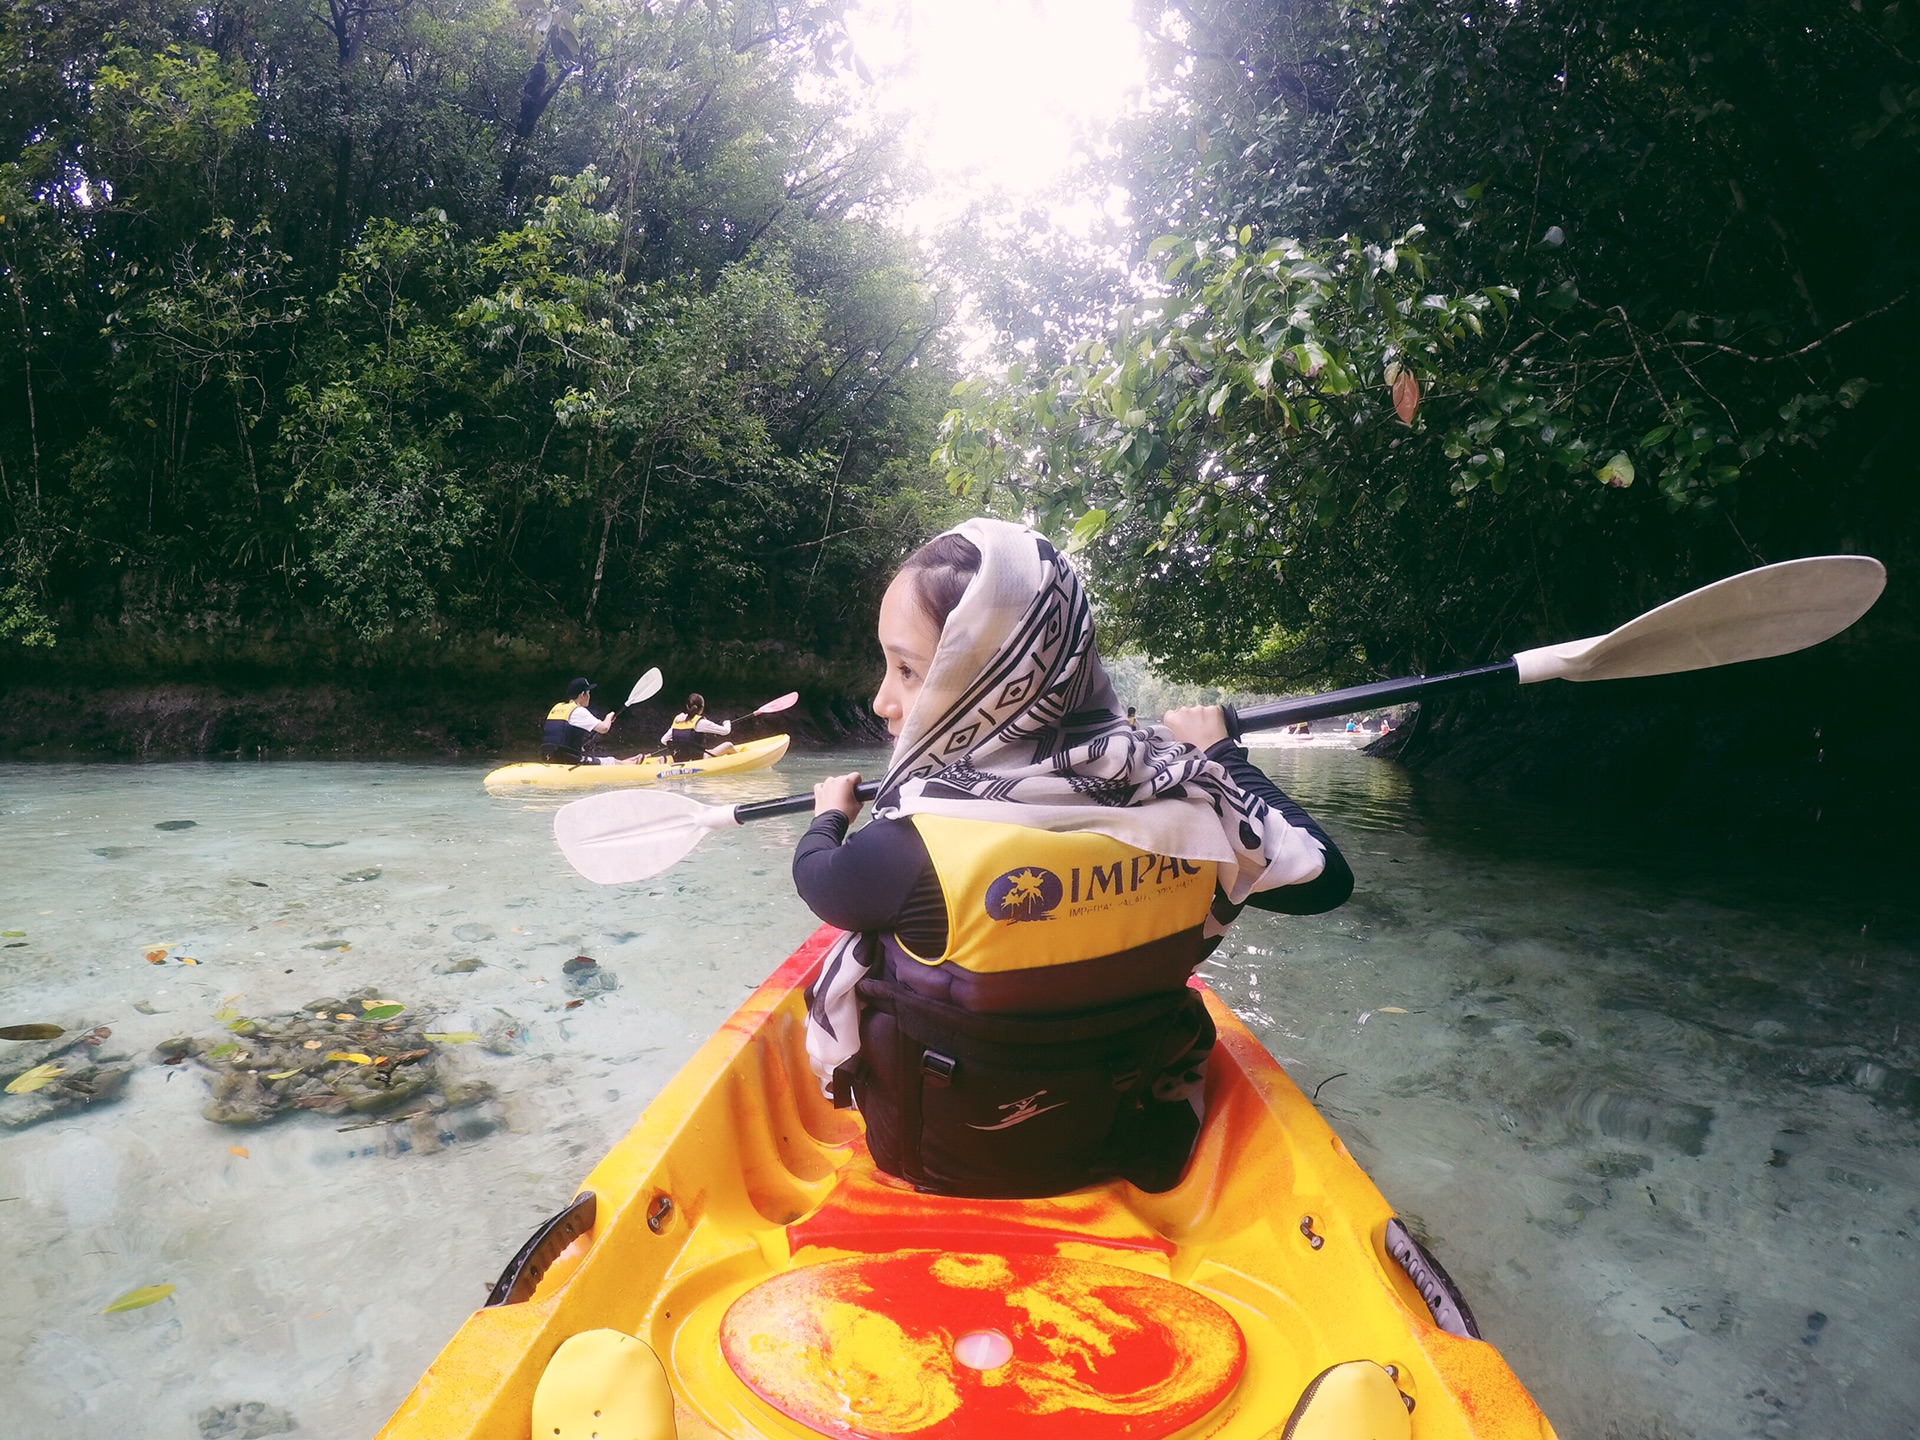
point(1020, 898)
point(684, 724)
point(561, 711)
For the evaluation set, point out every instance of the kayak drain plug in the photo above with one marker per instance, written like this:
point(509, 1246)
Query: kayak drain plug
point(1306, 1229)
point(983, 1350)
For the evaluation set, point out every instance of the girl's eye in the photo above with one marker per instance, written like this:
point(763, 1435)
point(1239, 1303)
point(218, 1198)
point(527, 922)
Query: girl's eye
point(906, 672)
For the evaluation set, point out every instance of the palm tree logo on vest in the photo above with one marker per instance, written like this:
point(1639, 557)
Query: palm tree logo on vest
point(1028, 893)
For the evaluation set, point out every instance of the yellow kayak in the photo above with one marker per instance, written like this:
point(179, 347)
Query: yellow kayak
point(736, 1267)
point(751, 755)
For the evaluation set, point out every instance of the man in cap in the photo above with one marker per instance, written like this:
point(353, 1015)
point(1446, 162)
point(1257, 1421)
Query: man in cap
point(571, 728)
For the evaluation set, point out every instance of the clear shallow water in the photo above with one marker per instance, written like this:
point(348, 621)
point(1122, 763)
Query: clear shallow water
point(1655, 1109)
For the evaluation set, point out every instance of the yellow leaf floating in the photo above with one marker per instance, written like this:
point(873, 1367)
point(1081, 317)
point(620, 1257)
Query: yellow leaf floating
point(31, 1080)
point(1391, 1010)
point(351, 1056)
point(239, 1150)
point(283, 1074)
point(188, 960)
point(311, 1045)
point(139, 1299)
point(453, 1037)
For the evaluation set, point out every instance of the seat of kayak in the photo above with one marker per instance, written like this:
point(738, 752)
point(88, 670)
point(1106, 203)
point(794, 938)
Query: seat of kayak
point(951, 1343)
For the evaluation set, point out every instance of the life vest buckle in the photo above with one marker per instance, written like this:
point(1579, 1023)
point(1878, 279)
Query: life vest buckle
point(938, 1068)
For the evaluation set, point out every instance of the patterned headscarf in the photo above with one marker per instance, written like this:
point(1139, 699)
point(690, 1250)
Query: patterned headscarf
point(1017, 722)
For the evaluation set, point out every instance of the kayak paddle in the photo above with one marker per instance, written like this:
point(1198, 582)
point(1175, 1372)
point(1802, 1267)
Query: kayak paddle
point(623, 835)
point(785, 702)
point(646, 687)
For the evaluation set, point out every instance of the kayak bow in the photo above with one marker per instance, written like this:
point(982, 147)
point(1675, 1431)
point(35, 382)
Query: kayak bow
point(788, 1289)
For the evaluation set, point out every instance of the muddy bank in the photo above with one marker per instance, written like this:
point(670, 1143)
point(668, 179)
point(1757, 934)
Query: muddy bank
point(76, 718)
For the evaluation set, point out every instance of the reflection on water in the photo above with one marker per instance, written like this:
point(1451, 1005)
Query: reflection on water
point(1656, 1110)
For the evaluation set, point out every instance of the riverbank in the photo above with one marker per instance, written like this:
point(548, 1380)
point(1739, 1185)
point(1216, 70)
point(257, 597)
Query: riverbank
point(1818, 742)
point(343, 720)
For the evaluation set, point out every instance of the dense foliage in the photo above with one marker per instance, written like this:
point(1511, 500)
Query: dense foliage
point(1462, 326)
point(473, 315)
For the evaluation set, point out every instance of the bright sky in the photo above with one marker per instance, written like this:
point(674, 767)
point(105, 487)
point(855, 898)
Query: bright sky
point(998, 89)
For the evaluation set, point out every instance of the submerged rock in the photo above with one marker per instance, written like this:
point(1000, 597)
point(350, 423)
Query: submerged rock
point(586, 976)
point(336, 1056)
point(85, 1077)
point(246, 1420)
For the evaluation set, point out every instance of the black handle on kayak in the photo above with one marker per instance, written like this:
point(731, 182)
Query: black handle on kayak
point(1362, 697)
point(793, 804)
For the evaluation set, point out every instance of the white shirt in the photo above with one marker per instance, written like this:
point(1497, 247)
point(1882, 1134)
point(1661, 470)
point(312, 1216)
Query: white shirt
point(582, 718)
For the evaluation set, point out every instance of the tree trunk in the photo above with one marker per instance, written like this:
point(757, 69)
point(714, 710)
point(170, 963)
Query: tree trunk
point(600, 566)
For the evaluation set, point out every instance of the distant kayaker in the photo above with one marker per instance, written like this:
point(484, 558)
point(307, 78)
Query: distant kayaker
point(572, 727)
point(1010, 1009)
point(683, 740)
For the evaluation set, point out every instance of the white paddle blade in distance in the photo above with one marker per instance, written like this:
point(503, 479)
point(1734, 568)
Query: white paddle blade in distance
point(619, 836)
point(1774, 610)
point(785, 702)
point(646, 687)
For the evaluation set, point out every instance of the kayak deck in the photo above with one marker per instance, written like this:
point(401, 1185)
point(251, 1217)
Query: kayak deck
point(740, 1180)
point(751, 755)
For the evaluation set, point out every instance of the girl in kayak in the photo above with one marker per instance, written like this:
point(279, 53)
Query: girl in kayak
point(1010, 1008)
point(683, 740)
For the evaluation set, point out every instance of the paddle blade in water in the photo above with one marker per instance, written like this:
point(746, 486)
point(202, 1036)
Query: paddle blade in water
point(646, 687)
point(785, 702)
point(1774, 610)
point(622, 835)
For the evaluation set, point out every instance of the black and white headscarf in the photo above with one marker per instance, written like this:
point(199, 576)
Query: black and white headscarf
point(1017, 722)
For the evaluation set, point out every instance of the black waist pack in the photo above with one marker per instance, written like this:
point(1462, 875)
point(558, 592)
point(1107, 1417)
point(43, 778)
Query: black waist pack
point(1019, 1106)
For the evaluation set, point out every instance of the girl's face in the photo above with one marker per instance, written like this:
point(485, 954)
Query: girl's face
point(908, 639)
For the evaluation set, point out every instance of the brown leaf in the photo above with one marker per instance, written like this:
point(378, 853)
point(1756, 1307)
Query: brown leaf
point(39, 1031)
point(99, 1035)
point(1406, 397)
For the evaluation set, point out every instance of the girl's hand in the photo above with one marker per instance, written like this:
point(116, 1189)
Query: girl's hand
point(837, 794)
point(1197, 725)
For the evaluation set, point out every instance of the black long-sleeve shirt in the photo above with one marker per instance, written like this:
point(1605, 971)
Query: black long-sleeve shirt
point(882, 879)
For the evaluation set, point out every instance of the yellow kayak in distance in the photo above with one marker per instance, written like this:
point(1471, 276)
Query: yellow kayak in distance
point(736, 1267)
point(750, 755)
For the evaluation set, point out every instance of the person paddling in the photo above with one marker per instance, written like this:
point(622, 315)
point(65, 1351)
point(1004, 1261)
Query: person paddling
point(683, 740)
point(1009, 1009)
point(572, 727)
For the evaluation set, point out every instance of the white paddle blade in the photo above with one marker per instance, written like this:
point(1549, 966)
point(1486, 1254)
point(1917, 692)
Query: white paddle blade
point(623, 835)
point(1774, 610)
point(646, 687)
point(785, 702)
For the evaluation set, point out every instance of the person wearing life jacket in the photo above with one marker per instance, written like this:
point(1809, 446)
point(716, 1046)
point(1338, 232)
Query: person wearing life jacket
point(571, 728)
point(1009, 1009)
point(683, 740)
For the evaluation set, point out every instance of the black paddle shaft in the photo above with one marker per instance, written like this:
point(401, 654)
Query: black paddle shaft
point(1239, 722)
point(1363, 697)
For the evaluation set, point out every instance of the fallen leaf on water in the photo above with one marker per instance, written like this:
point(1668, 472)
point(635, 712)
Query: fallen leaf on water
point(312, 1045)
point(157, 956)
point(341, 945)
point(239, 1150)
point(226, 1013)
point(13, 934)
point(38, 1031)
point(382, 1010)
point(188, 960)
point(99, 1035)
point(350, 1055)
point(453, 1037)
point(240, 1027)
point(575, 1004)
point(411, 1056)
point(1391, 1010)
point(145, 1007)
point(343, 1016)
point(220, 1051)
point(384, 1060)
point(283, 1074)
point(139, 1299)
point(36, 1078)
